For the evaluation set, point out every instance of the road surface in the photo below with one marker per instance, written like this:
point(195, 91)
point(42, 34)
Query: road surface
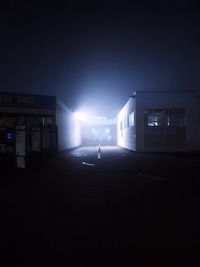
point(124, 209)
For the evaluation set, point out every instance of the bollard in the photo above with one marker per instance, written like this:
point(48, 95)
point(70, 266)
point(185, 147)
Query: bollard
point(99, 152)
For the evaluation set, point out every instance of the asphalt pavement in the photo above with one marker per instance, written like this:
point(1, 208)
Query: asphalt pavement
point(113, 208)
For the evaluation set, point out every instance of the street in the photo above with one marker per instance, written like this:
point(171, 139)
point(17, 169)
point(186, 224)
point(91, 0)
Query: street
point(122, 209)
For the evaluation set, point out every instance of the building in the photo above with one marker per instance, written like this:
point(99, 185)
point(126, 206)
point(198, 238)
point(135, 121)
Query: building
point(34, 127)
point(160, 121)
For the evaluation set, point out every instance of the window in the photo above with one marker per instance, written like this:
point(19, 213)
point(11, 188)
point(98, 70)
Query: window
point(168, 117)
point(176, 118)
point(154, 120)
point(127, 122)
point(131, 119)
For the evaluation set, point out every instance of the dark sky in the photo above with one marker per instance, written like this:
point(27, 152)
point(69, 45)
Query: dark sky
point(93, 54)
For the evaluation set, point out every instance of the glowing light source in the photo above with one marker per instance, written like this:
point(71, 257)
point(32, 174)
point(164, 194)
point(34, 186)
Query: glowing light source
point(81, 116)
point(107, 130)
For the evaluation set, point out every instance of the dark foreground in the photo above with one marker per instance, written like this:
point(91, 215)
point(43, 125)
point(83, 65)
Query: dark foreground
point(128, 209)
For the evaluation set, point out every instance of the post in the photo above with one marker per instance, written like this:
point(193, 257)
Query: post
point(99, 152)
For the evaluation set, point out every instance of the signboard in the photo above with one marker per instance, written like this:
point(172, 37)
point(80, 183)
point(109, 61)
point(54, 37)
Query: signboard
point(20, 146)
point(21, 162)
point(20, 143)
point(26, 100)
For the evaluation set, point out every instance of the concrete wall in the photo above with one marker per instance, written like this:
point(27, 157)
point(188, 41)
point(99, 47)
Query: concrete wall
point(69, 129)
point(127, 137)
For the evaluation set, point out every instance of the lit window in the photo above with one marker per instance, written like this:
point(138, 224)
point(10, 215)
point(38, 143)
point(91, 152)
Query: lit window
point(153, 120)
point(131, 119)
point(127, 122)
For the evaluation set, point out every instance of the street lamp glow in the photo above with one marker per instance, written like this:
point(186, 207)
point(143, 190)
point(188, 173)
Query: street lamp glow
point(81, 116)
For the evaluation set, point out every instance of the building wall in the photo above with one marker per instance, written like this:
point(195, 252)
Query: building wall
point(69, 129)
point(126, 134)
point(169, 100)
point(145, 101)
point(193, 122)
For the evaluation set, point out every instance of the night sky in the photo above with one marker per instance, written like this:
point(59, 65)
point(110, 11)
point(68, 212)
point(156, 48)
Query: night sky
point(94, 54)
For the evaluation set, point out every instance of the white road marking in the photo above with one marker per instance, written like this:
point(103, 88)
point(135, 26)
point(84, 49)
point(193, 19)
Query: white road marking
point(88, 164)
point(152, 176)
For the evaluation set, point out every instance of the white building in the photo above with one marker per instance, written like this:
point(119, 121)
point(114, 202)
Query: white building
point(160, 121)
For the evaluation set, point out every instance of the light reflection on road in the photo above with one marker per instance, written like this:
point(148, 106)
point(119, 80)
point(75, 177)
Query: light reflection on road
point(92, 150)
